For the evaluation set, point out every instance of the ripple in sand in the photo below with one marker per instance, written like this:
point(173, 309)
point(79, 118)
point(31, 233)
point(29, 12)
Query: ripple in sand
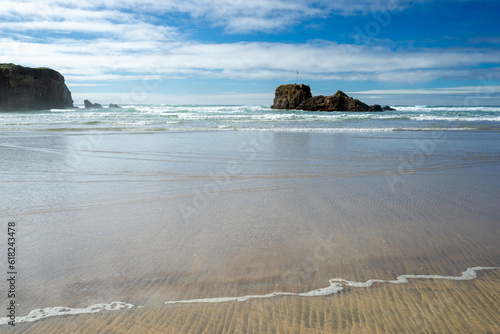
point(336, 285)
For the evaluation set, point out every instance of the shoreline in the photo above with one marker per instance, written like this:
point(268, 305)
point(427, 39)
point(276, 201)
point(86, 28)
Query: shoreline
point(335, 287)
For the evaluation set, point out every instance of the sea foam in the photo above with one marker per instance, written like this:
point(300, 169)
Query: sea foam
point(46, 312)
point(336, 285)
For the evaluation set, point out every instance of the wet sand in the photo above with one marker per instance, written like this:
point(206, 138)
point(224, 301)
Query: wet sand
point(420, 307)
point(146, 219)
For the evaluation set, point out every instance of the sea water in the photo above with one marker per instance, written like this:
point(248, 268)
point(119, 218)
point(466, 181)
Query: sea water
point(251, 118)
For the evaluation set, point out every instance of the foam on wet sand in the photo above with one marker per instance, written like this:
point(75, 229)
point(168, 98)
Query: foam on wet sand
point(335, 286)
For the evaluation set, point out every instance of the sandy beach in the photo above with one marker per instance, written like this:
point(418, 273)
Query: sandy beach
point(145, 219)
point(253, 167)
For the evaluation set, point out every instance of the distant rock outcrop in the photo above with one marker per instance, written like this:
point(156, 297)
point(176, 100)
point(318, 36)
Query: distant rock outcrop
point(25, 88)
point(299, 97)
point(89, 105)
point(291, 96)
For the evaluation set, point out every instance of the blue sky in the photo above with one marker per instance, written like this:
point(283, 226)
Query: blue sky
point(238, 51)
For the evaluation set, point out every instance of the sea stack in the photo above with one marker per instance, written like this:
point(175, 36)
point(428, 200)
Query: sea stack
point(299, 97)
point(25, 88)
point(291, 96)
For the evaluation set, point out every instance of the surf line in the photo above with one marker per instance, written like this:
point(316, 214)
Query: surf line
point(336, 285)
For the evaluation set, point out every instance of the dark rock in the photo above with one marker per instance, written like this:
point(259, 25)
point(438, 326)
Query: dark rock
point(89, 105)
point(337, 102)
point(315, 103)
point(112, 105)
point(299, 97)
point(25, 88)
point(388, 108)
point(290, 96)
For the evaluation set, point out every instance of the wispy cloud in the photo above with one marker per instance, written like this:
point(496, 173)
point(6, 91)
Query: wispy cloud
point(83, 20)
point(112, 40)
point(236, 16)
point(108, 59)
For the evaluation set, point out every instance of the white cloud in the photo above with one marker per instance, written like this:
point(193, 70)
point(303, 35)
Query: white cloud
point(130, 32)
point(108, 59)
point(113, 40)
point(236, 16)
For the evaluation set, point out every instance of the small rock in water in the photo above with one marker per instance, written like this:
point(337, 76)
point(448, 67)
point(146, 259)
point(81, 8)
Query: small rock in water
point(89, 104)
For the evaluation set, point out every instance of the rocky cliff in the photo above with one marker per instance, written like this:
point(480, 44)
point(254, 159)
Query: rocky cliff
point(299, 97)
point(25, 88)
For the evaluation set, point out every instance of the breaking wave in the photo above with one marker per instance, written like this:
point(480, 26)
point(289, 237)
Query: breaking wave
point(209, 118)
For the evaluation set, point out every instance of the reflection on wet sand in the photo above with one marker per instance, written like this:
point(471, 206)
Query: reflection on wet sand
point(242, 215)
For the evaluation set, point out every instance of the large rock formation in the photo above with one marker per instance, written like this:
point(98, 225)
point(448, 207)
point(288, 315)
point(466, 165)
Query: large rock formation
point(299, 97)
point(25, 88)
point(290, 96)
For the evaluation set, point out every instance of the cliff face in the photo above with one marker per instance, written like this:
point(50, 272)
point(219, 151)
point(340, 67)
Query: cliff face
point(299, 97)
point(24, 88)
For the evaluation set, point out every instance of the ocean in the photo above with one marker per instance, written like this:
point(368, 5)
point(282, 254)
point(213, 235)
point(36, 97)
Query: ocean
point(253, 118)
point(243, 219)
